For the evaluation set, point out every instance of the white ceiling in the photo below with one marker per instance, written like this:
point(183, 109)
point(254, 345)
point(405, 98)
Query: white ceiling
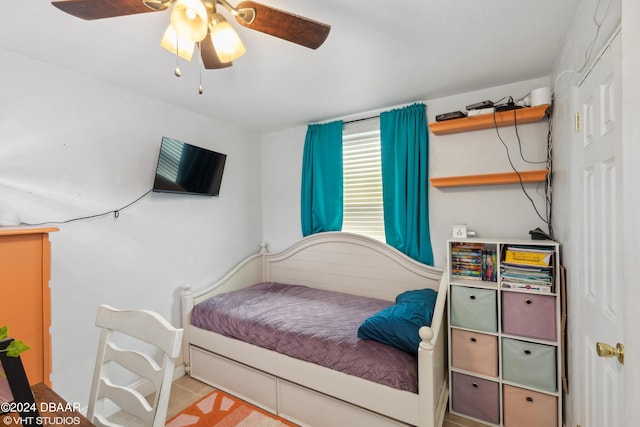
point(378, 54)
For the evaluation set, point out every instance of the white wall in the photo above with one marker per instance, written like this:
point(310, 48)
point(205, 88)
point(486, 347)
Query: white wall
point(492, 211)
point(74, 147)
point(574, 59)
point(500, 211)
point(281, 179)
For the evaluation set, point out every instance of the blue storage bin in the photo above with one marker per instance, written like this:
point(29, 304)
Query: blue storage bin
point(529, 364)
point(474, 308)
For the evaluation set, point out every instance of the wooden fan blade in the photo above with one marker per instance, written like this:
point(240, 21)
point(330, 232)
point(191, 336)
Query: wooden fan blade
point(99, 9)
point(285, 25)
point(209, 55)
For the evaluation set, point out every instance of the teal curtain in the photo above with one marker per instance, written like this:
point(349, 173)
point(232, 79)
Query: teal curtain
point(322, 187)
point(405, 168)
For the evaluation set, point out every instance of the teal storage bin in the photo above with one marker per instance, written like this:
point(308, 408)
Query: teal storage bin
point(474, 308)
point(529, 364)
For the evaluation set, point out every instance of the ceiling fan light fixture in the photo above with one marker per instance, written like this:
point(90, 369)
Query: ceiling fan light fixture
point(226, 41)
point(189, 19)
point(176, 44)
point(157, 4)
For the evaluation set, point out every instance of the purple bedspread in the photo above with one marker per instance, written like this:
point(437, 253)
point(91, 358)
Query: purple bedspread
point(310, 324)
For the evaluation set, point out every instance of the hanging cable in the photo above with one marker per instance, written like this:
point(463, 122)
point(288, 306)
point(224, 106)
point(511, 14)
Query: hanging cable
point(548, 182)
point(588, 50)
point(116, 214)
point(535, 208)
point(515, 126)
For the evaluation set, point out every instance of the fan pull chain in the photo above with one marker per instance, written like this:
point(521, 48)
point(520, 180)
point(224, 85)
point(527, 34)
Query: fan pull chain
point(177, 71)
point(200, 89)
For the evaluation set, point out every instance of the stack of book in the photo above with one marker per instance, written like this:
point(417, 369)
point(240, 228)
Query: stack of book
point(473, 261)
point(527, 267)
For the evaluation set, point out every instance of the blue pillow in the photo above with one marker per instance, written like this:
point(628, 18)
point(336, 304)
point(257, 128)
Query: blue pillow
point(398, 324)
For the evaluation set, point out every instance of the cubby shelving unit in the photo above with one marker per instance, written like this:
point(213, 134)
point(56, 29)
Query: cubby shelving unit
point(505, 344)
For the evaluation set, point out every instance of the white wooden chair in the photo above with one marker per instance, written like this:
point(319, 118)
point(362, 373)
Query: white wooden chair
point(157, 368)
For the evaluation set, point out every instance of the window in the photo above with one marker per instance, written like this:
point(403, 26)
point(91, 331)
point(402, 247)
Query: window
point(169, 160)
point(363, 211)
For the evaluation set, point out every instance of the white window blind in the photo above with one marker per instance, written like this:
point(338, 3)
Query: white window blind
point(169, 161)
point(363, 212)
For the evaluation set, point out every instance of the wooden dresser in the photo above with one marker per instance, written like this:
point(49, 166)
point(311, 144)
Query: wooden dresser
point(25, 270)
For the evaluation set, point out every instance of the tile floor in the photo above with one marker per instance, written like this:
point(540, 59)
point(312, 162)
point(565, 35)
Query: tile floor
point(186, 390)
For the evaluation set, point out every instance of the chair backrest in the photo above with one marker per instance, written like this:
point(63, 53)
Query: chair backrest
point(155, 366)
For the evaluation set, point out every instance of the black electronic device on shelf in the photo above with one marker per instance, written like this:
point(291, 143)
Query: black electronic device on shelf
point(479, 105)
point(450, 116)
point(507, 106)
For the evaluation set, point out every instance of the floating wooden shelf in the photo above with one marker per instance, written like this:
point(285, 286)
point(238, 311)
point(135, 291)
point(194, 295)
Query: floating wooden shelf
point(490, 179)
point(486, 121)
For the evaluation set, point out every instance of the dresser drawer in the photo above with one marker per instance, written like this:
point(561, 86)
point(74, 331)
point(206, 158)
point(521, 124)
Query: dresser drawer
point(473, 351)
point(474, 308)
point(530, 364)
point(475, 397)
point(526, 408)
point(529, 315)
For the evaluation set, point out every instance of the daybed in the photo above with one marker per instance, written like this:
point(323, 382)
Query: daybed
point(307, 393)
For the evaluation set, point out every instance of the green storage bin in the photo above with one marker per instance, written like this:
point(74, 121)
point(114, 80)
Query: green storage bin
point(474, 308)
point(529, 364)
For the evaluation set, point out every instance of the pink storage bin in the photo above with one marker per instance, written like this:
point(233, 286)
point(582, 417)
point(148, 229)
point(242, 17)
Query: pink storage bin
point(526, 408)
point(529, 315)
point(473, 351)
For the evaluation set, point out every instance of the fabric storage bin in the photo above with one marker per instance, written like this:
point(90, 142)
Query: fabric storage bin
point(529, 364)
point(529, 315)
point(473, 351)
point(526, 408)
point(475, 397)
point(474, 308)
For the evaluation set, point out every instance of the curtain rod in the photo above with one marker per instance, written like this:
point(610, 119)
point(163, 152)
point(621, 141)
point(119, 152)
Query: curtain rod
point(370, 111)
point(360, 120)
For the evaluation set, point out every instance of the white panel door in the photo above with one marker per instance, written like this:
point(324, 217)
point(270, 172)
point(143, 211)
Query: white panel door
point(601, 281)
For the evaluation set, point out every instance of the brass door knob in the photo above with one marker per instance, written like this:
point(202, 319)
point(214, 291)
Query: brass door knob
point(605, 350)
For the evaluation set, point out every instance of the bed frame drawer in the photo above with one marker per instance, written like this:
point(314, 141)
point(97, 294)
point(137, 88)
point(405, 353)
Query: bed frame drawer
point(526, 408)
point(310, 408)
point(247, 383)
point(473, 351)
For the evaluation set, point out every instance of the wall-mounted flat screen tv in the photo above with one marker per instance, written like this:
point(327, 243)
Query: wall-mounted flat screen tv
point(187, 169)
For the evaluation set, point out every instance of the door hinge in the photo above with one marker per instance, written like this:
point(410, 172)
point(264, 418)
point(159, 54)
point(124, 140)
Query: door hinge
point(577, 122)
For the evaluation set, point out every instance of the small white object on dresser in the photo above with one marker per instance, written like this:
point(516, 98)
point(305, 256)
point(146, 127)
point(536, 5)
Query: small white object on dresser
point(505, 331)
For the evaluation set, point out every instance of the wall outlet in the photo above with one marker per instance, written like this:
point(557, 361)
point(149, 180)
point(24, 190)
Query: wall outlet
point(460, 231)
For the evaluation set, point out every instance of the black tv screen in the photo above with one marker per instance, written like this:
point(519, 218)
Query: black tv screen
point(185, 168)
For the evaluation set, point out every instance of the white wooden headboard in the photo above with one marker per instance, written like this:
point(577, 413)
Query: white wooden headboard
point(349, 263)
point(336, 261)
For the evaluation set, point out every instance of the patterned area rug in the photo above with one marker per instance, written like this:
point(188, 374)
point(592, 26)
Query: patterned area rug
point(219, 409)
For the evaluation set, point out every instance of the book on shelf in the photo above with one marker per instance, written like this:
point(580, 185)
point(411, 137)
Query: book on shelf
point(490, 265)
point(520, 275)
point(527, 286)
point(535, 278)
point(474, 261)
point(529, 255)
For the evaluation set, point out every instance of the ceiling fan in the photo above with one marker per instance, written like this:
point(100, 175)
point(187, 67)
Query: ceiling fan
point(197, 22)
